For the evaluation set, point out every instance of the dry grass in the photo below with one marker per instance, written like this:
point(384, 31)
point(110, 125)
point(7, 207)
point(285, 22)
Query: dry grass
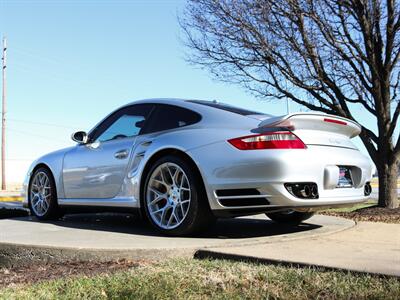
point(194, 279)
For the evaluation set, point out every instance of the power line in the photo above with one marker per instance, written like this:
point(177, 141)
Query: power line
point(36, 56)
point(44, 124)
point(35, 135)
point(20, 159)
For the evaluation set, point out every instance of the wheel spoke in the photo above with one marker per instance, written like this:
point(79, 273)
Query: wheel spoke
point(177, 215)
point(182, 178)
point(155, 192)
point(175, 176)
point(40, 206)
point(162, 176)
point(163, 215)
point(45, 205)
point(41, 179)
point(157, 199)
point(34, 205)
point(170, 174)
point(159, 182)
point(158, 211)
point(171, 217)
point(45, 182)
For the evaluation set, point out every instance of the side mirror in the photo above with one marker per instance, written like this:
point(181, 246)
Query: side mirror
point(140, 124)
point(80, 137)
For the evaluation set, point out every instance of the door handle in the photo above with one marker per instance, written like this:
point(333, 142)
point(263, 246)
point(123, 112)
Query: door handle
point(122, 154)
point(146, 143)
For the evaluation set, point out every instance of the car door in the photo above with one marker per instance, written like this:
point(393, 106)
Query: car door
point(97, 169)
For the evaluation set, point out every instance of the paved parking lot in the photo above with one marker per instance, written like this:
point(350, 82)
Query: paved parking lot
point(105, 236)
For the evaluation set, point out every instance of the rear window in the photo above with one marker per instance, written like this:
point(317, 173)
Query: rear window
point(226, 107)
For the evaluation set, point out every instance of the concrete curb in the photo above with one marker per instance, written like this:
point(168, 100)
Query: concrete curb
point(209, 254)
point(17, 255)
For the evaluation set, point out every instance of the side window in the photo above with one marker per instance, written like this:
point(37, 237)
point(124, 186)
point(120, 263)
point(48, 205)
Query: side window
point(169, 116)
point(126, 122)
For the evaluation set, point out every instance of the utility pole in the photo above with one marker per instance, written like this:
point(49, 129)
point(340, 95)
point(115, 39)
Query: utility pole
point(3, 118)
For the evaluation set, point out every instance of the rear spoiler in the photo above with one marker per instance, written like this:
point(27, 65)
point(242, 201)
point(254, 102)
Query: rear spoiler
point(314, 121)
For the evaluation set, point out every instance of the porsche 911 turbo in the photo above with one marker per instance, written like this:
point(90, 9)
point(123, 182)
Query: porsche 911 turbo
point(184, 163)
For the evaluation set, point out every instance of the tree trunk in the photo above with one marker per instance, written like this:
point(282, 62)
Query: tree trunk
point(388, 185)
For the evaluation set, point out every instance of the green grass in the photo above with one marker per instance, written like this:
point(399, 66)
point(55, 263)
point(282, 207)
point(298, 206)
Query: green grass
point(194, 279)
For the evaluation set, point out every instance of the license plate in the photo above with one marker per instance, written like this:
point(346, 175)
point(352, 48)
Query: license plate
point(345, 179)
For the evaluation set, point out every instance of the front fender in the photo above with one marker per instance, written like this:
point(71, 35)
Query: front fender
point(53, 161)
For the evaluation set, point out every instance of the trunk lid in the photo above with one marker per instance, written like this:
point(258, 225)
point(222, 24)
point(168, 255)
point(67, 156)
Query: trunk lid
point(317, 129)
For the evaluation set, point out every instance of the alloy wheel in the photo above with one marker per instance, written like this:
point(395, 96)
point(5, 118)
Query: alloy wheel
point(40, 194)
point(168, 196)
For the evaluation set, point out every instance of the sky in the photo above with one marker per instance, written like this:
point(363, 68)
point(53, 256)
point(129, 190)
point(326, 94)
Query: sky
point(71, 62)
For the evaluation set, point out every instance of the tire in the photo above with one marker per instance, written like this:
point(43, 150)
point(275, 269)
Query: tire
point(174, 198)
point(43, 196)
point(290, 217)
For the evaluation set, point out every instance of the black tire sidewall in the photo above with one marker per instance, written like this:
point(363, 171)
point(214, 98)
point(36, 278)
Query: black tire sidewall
point(53, 211)
point(189, 225)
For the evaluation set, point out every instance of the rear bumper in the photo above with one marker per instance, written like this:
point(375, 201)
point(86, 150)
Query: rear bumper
point(268, 170)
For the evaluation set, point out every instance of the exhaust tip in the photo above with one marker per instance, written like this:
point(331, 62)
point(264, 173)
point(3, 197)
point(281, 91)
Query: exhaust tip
point(306, 192)
point(367, 189)
point(303, 190)
point(314, 191)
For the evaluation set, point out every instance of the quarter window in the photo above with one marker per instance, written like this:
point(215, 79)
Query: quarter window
point(167, 117)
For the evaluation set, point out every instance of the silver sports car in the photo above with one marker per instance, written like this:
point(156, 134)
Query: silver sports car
point(184, 163)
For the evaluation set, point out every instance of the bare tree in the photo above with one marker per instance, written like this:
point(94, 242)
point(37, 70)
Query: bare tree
point(332, 56)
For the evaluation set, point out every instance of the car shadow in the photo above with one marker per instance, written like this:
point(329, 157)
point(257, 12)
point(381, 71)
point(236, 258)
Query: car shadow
point(235, 228)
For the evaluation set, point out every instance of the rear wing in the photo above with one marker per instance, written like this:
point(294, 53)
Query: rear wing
point(315, 121)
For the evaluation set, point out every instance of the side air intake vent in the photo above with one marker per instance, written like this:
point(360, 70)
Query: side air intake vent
point(241, 197)
point(237, 192)
point(233, 202)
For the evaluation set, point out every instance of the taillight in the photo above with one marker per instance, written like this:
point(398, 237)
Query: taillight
point(270, 140)
point(335, 121)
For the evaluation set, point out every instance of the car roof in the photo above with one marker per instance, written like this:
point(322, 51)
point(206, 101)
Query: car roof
point(202, 106)
point(212, 116)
